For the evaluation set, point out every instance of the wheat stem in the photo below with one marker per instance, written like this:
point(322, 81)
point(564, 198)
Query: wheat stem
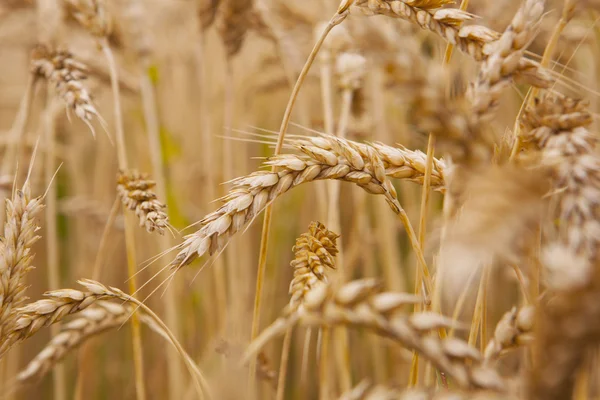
point(264, 239)
point(129, 225)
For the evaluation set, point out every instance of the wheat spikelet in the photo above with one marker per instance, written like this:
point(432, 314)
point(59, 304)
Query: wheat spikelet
point(235, 21)
point(329, 158)
point(91, 14)
point(313, 253)
point(514, 330)
point(135, 191)
point(447, 23)
point(361, 303)
point(66, 75)
point(20, 233)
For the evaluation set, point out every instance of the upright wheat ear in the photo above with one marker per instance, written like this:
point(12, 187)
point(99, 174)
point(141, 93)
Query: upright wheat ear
point(20, 234)
point(135, 190)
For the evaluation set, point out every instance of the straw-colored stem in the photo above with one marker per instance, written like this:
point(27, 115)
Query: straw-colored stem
point(52, 245)
point(478, 312)
point(158, 172)
point(264, 241)
point(17, 131)
point(285, 352)
point(340, 334)
point(101, 253)
point(324, 374)
point(305, 355)
point(129, 223)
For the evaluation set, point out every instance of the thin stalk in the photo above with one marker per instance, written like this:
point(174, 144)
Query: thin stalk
point(340, 334)
point(52, 245)
point(158, 172)
point(129, 223)
point(305, 355)
point(100, 255)
point(262, 259)
point(285, 351)
point(425, 197)
point(478, 312)
point(324, 375)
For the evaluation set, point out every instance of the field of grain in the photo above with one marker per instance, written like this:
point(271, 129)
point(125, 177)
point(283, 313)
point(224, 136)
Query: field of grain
point(299, 199)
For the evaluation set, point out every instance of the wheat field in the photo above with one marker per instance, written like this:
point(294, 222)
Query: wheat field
point(300, 199)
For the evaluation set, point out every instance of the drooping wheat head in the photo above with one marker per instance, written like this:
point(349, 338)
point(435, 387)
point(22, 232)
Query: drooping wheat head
point(135, 191)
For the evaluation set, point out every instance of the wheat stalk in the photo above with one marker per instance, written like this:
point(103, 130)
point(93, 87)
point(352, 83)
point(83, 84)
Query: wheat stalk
point(361, 303)
point(252, 193)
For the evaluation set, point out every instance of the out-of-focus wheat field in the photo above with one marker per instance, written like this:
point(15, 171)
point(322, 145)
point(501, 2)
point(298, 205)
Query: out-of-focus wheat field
point(299, 199)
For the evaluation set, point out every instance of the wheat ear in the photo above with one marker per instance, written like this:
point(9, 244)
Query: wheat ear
point(446, 23)
point(20, 233)
point(66, 74)
point(515, 329)
point(251, 194)
point(314, 254)
point(135, 191)
point(361, 303)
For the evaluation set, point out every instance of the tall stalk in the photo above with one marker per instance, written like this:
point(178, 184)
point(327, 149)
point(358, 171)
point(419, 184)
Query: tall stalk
point(128, 220)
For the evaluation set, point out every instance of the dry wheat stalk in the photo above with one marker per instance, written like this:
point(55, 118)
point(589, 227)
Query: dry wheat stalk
point(362, 303)
point(135, 191)
point(447, 23)
point(514, 330)
point(235, 21)
point(20, 233)
point(92, 15)
point(330, 158)
point(369, 391)
point(66, 75)
point(313, 253)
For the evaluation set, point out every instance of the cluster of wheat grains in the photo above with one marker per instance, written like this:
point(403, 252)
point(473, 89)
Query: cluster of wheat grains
point(447, 147)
